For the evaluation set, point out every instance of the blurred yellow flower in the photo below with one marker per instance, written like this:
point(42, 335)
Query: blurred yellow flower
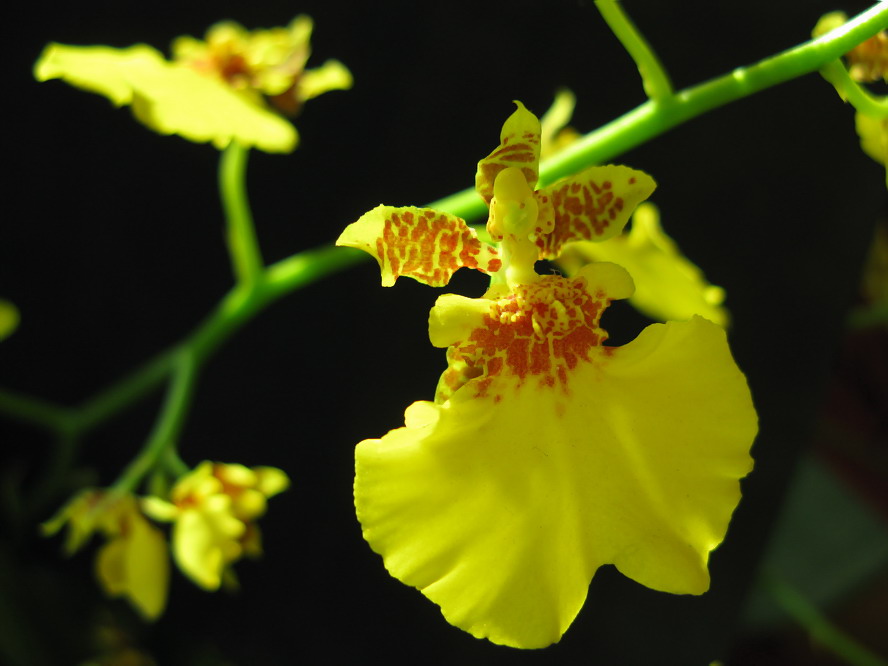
point(215, 508)
point(9, 318)
point(668, 286)
point(547, 454)
point(226, 89)
point(134, 563)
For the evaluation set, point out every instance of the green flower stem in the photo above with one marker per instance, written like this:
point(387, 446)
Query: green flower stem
point(655, 117)
point(168, 425)
point(251, 295)
point(35, 411)
point(851, 91)
point(246, 258)
point(653, 76)
point(818, 626)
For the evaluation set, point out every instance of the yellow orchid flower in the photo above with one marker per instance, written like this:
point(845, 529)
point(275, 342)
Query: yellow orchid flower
point(227, 88)
point(547, 454)
point(9, 318)
point(134, 563)
point(215, 508)
point(668, 286)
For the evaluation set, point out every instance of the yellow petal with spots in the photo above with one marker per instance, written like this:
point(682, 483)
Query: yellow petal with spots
point(519, 147)
point(168, 98)
point(593, 205)
point(421, 243)
point(500, 505)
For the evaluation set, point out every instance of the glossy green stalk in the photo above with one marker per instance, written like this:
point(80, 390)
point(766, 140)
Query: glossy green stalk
point(655, 117)
point(653, 77)
point(851, 91)
point(246, 258)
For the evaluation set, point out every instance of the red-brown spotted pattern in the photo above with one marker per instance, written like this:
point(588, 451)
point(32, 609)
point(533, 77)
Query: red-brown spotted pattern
point(538, 332)
point(593, 205)
point(521, 151)
point(430, 246)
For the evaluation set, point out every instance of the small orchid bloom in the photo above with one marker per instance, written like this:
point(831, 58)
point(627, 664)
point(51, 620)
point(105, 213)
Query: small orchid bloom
point(134, 563)
point(668, 286)
point(231, 87)
point(547, 454)
point(215, 508)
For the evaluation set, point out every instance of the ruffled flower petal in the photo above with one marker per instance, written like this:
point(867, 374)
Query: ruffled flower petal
point(168, 98)
point(424, 244)
point(500, 503)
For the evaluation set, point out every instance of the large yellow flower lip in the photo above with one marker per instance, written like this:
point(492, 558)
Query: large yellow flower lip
point(500, 506)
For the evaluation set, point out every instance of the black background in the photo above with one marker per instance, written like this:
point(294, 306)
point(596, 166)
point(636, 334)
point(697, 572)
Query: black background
point(112, 248)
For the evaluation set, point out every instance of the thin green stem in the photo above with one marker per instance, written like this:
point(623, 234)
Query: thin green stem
point(817, 625)
point(35, 411)
point(651, 119)
point(851, 91)
point(138, 384)
point(653, 76)
point(168, 425)
point(246, 257)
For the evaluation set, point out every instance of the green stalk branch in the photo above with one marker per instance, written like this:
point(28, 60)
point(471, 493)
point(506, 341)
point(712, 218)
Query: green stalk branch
point(246, 258)
point(653, 76)
point(168, 425)
point(852, 92)
point(35, 411)
point(652, 119)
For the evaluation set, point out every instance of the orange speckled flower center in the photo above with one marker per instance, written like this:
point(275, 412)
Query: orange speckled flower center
point(541, 330)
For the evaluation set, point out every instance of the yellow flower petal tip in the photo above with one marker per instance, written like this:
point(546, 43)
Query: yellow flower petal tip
point(214, 509)
point(232, 87)
point(426, 245)
point(9, 318)
point(546, 453)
